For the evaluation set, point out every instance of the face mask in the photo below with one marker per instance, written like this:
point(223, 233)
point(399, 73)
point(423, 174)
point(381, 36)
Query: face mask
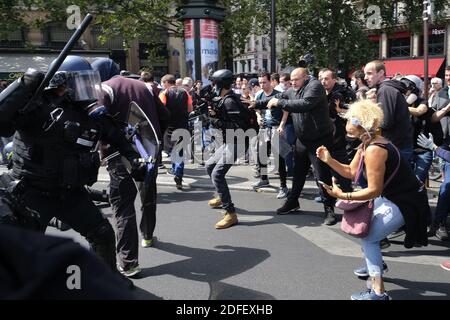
point(217, 91)
point(354, 85)
point(411, 98)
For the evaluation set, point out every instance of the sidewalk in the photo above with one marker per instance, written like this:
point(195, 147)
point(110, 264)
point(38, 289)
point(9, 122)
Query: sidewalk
point(240, 178)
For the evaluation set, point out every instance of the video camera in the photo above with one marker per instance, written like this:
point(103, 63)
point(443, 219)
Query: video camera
point(208, 98)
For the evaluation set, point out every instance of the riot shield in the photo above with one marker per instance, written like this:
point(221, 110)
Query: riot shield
point(145, 139)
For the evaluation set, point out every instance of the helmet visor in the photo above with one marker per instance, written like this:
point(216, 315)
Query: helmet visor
point(84, 85)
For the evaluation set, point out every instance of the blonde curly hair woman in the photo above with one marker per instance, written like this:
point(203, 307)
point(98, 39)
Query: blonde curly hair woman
point(399, 198)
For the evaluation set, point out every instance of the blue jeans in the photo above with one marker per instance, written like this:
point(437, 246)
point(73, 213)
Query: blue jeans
point(386, 219)
point(177, 163)
point(407, 154)
point(443, 204)
point(422, 163)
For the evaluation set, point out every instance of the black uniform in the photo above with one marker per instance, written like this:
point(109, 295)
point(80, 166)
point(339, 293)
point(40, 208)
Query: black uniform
point(55, 157)
point(230, 116)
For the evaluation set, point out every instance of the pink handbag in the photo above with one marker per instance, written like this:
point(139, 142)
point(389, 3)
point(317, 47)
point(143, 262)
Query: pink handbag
point(357, 217)
point(358, 214)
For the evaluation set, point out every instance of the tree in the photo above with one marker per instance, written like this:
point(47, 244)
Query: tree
point(143, 19)
point(331, 30)
point(243, 19)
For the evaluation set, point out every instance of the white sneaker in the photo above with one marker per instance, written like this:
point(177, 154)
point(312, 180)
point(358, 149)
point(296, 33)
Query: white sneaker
point(283, 193)
point(260, 184)
point(130, 272)
point(146, 243)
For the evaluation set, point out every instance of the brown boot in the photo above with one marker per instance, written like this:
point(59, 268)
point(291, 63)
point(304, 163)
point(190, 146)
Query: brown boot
point(229, 219)
point(215, 203)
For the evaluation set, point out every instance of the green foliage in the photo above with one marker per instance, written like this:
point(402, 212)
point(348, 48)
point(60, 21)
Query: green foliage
point(243, 19)
point(330, 29)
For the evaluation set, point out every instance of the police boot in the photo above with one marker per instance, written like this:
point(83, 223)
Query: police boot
point(229, 219)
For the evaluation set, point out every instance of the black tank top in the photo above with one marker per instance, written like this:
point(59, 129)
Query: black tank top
point(404, 180)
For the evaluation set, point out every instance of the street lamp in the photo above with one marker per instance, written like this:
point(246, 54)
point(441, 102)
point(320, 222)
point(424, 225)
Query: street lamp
point(426, 16)
point(273, 54)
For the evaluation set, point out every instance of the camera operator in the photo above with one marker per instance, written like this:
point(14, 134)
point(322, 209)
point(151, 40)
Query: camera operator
point(228, 115)
point(336, 106)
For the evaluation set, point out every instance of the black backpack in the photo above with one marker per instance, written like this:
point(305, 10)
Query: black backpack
point(246, 115)
point(349, 94)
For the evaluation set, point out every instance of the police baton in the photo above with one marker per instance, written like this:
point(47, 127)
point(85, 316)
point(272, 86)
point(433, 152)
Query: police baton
point(58, 62)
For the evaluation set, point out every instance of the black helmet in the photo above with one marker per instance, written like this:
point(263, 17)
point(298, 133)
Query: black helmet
point(306, 60)
point(409, 85)
point(222, 77)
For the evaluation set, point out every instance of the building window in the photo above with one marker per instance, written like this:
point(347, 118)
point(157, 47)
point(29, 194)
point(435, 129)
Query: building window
point(249, 65)
point(264, 64)
point(56, 37)
point(400, 47)
point(243, 65)
point(264, 44)
point(160, 51)
point(110, 43)
point(13, 39)
point(235, 67)
point(436, 44)
point(375, 49)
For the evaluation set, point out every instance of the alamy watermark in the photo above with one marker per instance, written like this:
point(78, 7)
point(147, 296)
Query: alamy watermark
point(206, 143)
point(74, 19)
point(74, 279)
point(374, 19)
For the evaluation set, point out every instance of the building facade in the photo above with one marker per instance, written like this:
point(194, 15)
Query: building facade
point(256, 56)
point(25, 48)
point(402, 50)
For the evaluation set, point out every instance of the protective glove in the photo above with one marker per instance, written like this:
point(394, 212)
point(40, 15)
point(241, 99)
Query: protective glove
point(138, 170)
point(426, 143)
point(32, 79)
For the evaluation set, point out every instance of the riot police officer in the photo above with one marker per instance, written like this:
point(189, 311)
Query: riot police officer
point(55, 152)
point(229, 114)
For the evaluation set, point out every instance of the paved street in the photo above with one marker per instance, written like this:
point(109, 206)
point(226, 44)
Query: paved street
point(268, 256)
point(265, 256)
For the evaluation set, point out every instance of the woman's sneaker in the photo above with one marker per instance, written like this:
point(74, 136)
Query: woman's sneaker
point(363, 272)
point(369, 295)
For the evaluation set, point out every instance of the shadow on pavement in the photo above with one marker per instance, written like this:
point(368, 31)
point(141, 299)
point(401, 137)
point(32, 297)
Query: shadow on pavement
point(224, 291)
point(416, 290)
point(141, 294)
point(211, 266)
point(174, 197)
point(298, 218)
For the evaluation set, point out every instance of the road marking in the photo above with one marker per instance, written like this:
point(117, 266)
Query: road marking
point(336, 244)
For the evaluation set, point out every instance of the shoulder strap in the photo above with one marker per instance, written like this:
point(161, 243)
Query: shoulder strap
point(361, 163)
